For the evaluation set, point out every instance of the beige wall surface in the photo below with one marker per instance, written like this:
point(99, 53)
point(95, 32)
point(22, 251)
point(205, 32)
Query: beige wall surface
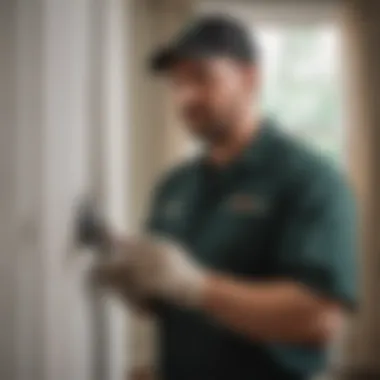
point(360, 26)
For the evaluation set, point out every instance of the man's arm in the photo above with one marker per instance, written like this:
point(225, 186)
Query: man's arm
point(315, 257)
point(283, 312)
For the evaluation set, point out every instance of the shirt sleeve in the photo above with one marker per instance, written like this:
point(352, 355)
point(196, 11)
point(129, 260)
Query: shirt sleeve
point(318, 245)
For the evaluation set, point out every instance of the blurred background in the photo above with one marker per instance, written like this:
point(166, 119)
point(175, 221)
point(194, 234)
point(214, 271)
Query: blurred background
point(81, 116)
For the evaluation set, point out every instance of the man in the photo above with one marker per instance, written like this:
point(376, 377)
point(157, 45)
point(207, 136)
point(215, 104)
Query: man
point(249, 257)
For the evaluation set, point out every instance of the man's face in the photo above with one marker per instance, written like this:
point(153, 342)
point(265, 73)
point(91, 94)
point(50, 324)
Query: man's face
point(210, 94)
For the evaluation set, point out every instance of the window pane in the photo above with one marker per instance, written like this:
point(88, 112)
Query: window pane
point(301, 84)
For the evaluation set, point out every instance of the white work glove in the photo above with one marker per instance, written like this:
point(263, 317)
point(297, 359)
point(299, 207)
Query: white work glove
point(154, 268)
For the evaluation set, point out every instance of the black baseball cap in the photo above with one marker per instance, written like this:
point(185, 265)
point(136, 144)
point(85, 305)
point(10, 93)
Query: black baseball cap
point(206, 37)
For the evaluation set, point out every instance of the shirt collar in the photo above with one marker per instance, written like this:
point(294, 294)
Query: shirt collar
point(253, 156)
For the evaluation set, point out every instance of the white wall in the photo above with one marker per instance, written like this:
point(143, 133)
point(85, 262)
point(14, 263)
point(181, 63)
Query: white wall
point(62, 77)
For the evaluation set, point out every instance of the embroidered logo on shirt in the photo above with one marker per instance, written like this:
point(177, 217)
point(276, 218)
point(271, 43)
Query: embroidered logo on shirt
point(248, 204)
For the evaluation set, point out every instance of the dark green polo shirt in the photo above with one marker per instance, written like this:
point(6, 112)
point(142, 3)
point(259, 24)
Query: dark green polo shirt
point(278, 211)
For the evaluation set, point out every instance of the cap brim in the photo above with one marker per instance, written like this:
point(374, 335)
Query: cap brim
point(164, 59)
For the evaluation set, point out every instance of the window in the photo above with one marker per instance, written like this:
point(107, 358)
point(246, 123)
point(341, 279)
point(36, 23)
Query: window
point(301, 85)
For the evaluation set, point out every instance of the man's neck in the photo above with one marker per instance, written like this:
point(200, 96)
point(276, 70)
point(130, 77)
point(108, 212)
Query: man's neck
point(223, 152)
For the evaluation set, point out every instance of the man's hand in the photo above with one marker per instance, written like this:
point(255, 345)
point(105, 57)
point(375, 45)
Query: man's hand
point(153, 268)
